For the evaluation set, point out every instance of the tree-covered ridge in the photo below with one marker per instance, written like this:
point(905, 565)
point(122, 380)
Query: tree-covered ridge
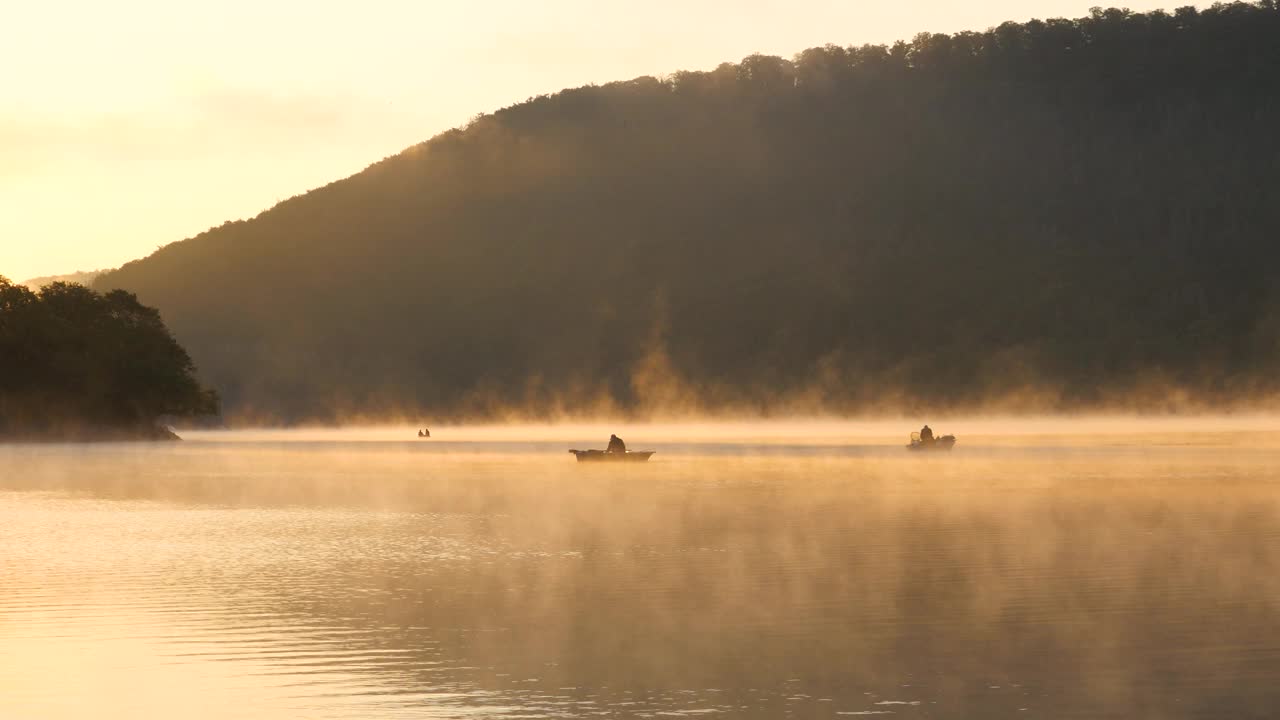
point(1075, 207)
point(78, 364)
point(80, 277)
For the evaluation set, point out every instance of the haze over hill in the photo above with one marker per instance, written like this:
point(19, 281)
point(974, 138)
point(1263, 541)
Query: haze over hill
point(1066, 211)
point(80, 277)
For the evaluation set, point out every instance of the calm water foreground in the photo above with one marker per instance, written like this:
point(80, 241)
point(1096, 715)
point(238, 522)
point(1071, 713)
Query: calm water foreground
point(1074, 570)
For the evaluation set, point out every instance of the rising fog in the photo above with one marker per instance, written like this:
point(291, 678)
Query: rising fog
point(1073, 569)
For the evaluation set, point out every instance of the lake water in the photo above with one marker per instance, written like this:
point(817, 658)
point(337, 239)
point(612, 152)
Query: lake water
point(1041, 570)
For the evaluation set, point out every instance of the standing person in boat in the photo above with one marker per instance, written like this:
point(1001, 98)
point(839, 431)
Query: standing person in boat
point(616, 445)
point(926, 434)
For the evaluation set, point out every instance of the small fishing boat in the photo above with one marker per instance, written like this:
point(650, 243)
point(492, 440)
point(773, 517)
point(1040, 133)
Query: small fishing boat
point(946, 442)
point(602, 456)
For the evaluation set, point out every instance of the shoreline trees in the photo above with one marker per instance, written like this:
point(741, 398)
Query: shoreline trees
point(77, 364)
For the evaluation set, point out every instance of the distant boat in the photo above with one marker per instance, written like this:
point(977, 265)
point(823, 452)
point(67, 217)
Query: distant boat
point(946, 442)
point(602, 456)
point(424, 433)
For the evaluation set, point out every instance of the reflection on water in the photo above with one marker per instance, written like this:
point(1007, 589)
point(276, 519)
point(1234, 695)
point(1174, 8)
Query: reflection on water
point(323, 576)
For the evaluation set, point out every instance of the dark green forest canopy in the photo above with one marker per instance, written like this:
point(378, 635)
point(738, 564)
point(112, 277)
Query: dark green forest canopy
point(1069, 210)
point(78, 364)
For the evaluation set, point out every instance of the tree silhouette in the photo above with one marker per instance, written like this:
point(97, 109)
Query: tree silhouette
point(75, 363)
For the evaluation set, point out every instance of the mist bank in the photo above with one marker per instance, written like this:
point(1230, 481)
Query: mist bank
point(77, 432)
point(1050, 216)
point(80, 277)
point(1258, 431)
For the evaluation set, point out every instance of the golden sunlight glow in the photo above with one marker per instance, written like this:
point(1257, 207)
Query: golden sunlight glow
point(125, 126)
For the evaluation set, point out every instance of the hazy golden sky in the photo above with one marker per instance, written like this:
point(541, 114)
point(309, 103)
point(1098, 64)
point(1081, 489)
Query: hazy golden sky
point(130, 124)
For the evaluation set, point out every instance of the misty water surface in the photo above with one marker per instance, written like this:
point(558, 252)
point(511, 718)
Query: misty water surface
point(807, 571)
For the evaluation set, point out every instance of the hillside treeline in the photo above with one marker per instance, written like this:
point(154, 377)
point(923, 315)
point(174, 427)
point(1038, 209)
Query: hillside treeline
point(1070, 210)
point(80, 277)
point(76, 364)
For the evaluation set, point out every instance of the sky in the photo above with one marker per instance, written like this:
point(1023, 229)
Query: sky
point(128, 125)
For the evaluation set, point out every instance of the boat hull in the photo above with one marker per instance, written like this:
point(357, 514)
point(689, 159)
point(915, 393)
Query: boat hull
point(943, 443)
point(602, 456)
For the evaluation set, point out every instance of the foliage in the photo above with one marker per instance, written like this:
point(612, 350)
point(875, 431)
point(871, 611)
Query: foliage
point(75, 361)
point(1080, 205)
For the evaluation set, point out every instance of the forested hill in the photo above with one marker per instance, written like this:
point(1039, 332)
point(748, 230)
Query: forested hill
point(80, 277)
point(1073, 208)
